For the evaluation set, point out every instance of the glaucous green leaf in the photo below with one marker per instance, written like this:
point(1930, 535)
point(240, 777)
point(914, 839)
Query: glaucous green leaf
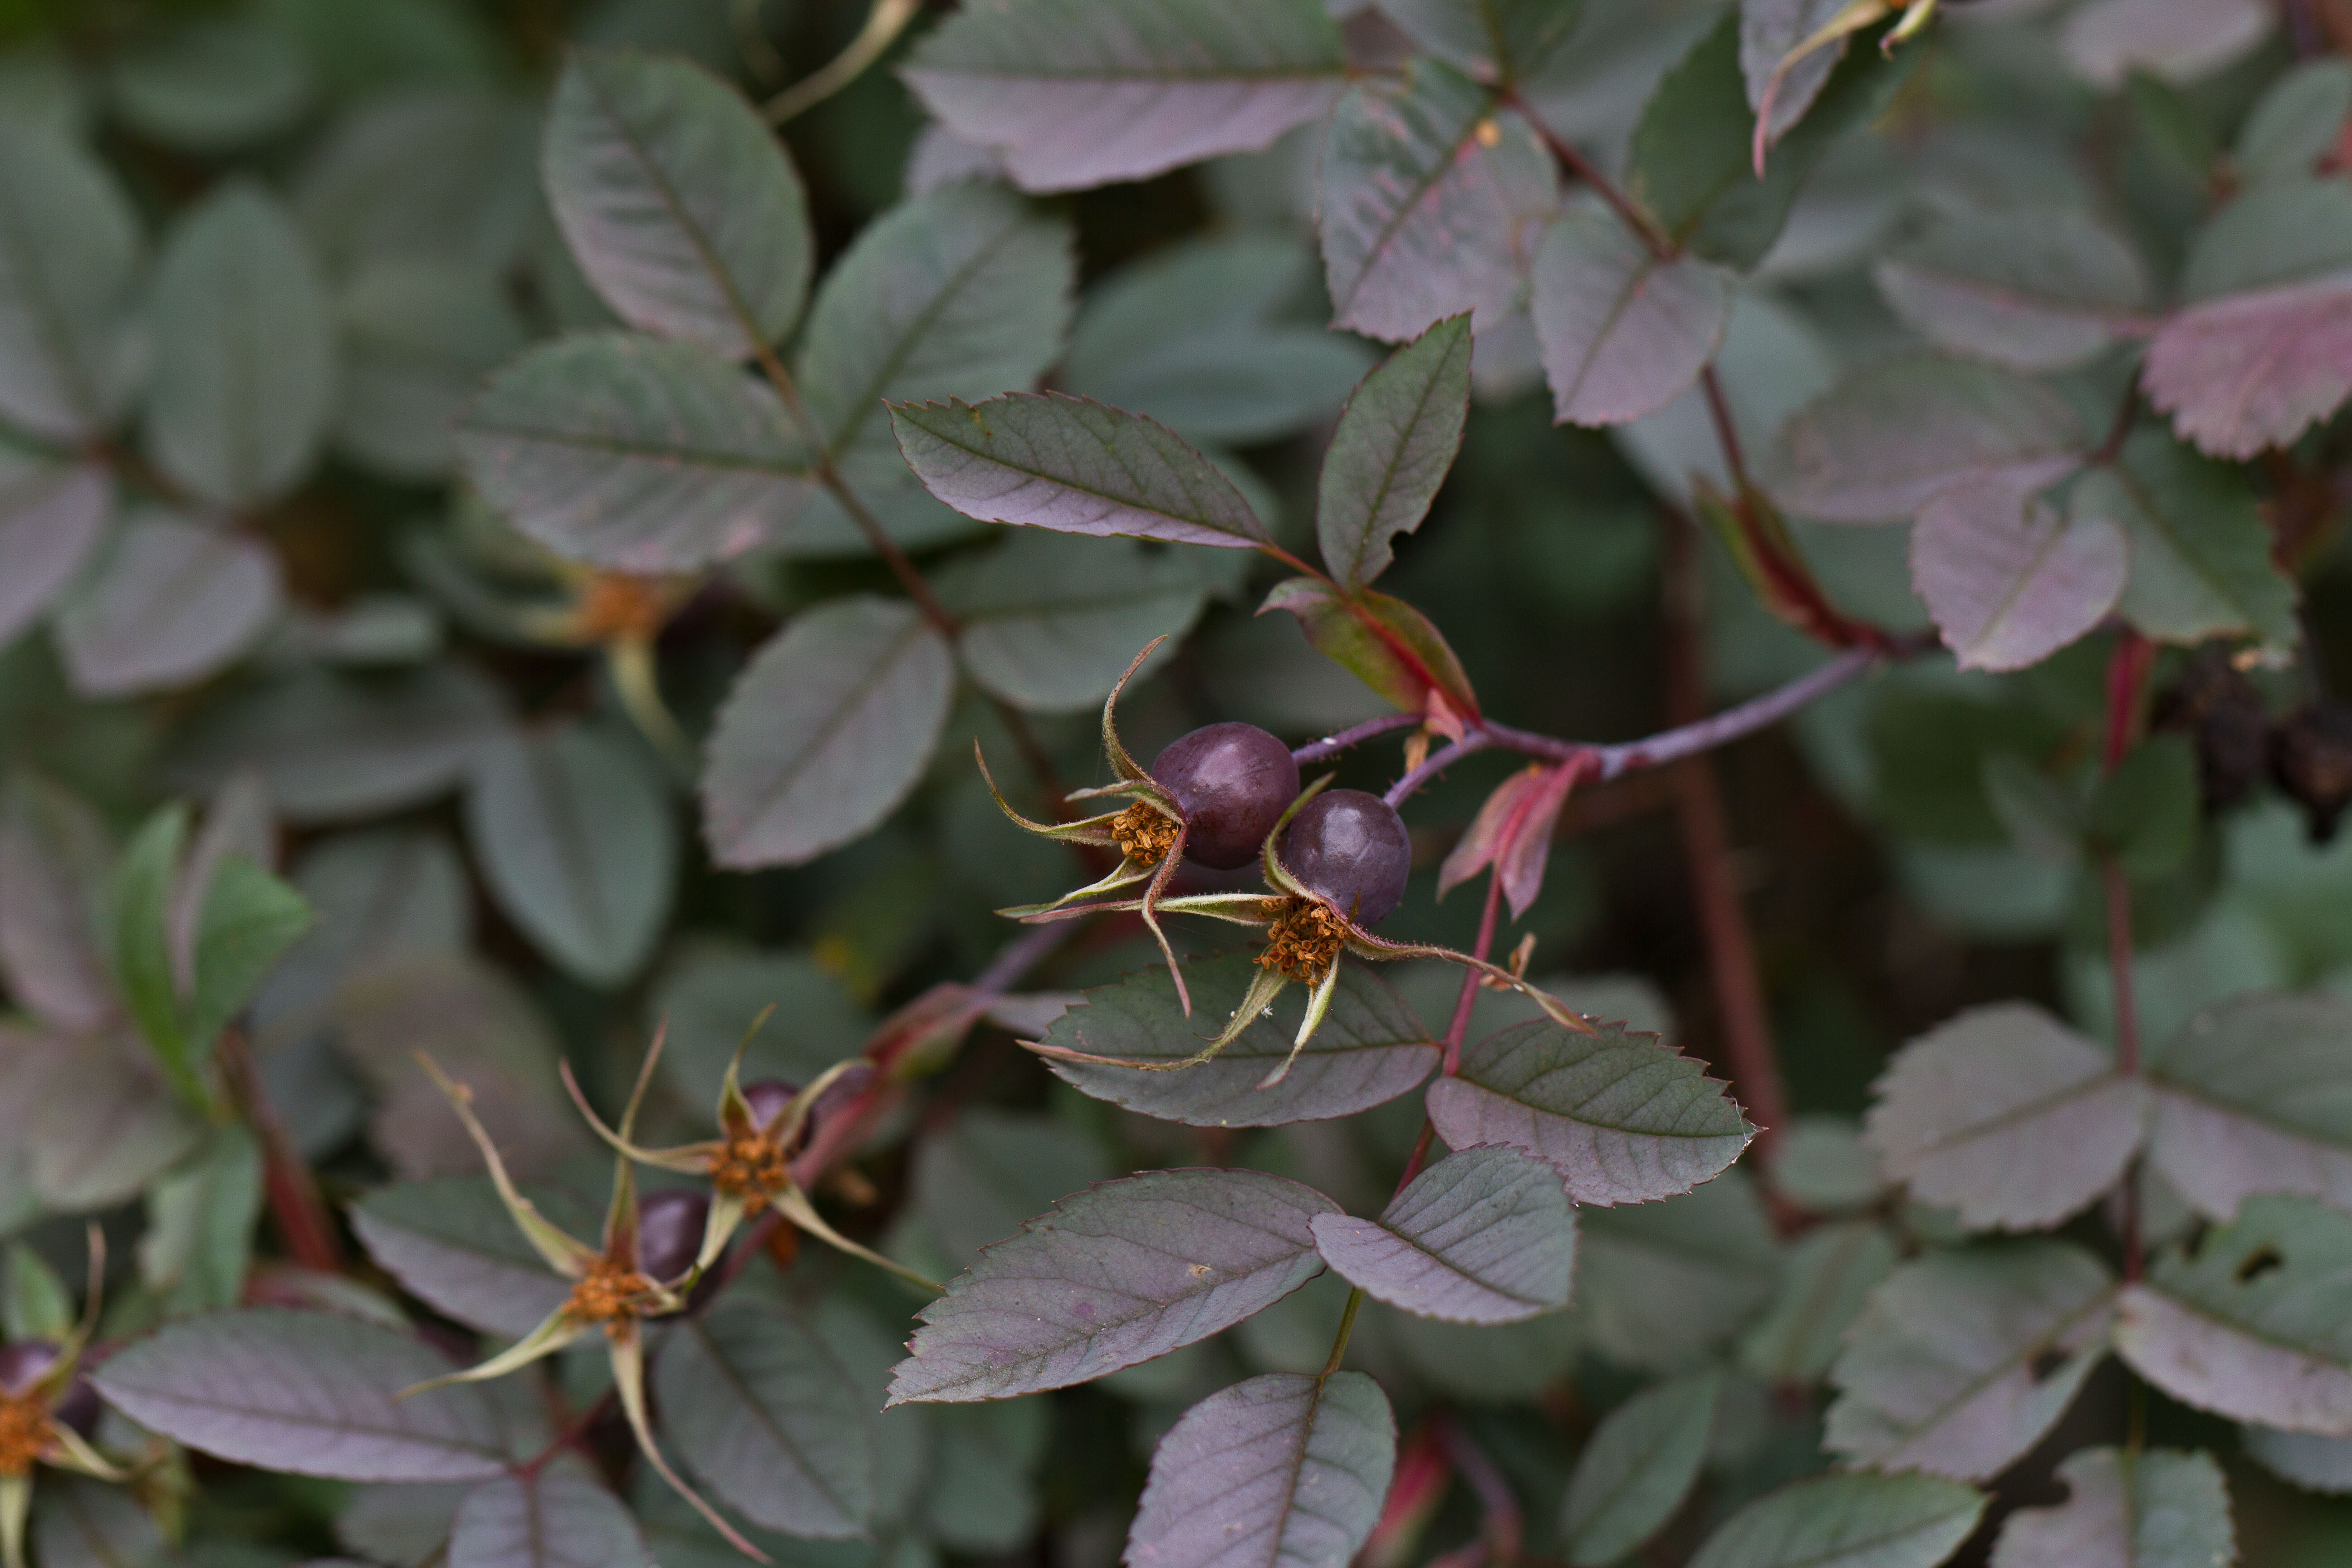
point(330, 746)
point(825, 731)
point(2007, 1115)
point(209, 84)
point(1369, 1049)
point(245, 349)
point(2035, 288)
point(438, 172)
point(1195, 336)
point(2289, 232)
point(983, 1493)
point(248, 920)
point(200, 1223)
point(1692, 157)
point(757, 1408)
point(1049, 622)
point(378, 897)
point(51, 516)
point(1485, 1235)
point(138, 939)
point(1828, 1274)
point(1432, 199)
point(2312, 1462)
point(2254, 1323)
point(560, 1516)
point(70, 251)
point(2108, 40)
point(1280, 1468)
point(2009, 578)
point(1496, 41)
point(79, 1522)
point(1636, 1468)
point(1112, 1276)
point(168, 602)
point(629, 452)
point(1073, 466)
point(677, 200)
point(977, 1179)
point(962, 293)
point(54, 855)
point(1964, 1359)
point(2295, 123)
point(2156, 1508)
point(709, 992)
point(419, 337)
point(1622, 331)
point(1659, 1285)
point(1623, 1117)
point(1878, 445)
point(34, 1303)
point(1084, 92)
point(2201, 553)
point(452, 1245)
point(576, 838)
point(310, 1392)
point(1395, 441)
point(1847, 1521)
point(2255, 1095)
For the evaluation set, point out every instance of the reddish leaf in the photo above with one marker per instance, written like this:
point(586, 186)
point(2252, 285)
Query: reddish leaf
point(2250, 370)
point(1382, 641)
point(1512, 833)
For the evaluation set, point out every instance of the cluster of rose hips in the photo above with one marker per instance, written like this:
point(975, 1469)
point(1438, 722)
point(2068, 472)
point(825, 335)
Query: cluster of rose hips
point(1335, 863)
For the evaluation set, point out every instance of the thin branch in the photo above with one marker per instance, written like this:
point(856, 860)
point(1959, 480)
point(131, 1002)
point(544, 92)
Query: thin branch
point(1578, 165)
point(2112, 447)
point(1355, 735)
point(304, 1224)
point(1615, 760)
point(1468, 998)
point(1707, 846)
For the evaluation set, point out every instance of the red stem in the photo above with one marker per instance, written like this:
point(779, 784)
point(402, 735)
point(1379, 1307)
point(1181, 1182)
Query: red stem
point(304, 1226)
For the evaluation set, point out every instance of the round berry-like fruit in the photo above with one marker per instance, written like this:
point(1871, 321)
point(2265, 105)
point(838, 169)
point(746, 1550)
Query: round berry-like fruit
point(1351, 851)
point(24, 1363)
point(768, 1097)
point(670, 1231)
point(1233, 782)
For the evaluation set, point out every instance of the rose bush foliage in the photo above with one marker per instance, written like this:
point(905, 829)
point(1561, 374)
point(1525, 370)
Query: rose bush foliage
point(529, 1042)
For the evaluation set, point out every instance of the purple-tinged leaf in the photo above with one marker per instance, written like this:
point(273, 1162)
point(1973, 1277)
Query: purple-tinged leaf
point(975, 1180)
point(1964, 1359)
point(2295, 123)
point(1661, 1285)
point(1825, 1284)
point(1369, 1049)
point(1110, 1276)
point(1622, 1117)
point(1847, 1521)
point(1284, 1469)
point(1073, 466)
point(1084, 92)
point(2007, 1115)
point(69, 257)
point(2174, 40)
point(1495, 40)
point(170, 601)
point(50, 518)
point(677, 200)
point(1433, 201)
point(1623, 333)
point(1637, 1468)
point(54, 859)
point(1512, 832)
point(2316, 1464)
point(560, 1516)
point(452, 1245)
point(2035, 288)
point(1394, 443)
point(2253, 1324)
point(825, 732)
point(1382, 641)
point(107, 1125)
point(757, 1407)
point(2010, 579)
point(2255, 1095)
point(310, 1393)
point(1770, 32)
point(1485, 1235)
point(1876, 446)
point(2157, 1507)
point(630, 452)
point(2246, 372)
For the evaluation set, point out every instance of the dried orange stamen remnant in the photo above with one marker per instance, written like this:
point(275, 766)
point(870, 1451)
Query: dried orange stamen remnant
point(608, 1292)
point(1143, 835)
point(1303, 941)
point(616, 607)
point(750, 1166)
point(24, 1433)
